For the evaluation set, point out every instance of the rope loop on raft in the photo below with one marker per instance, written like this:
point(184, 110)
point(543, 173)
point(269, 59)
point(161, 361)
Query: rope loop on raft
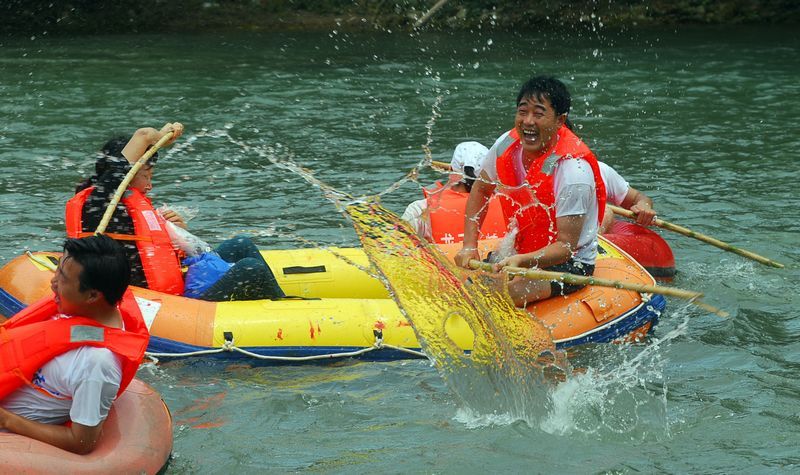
point(229, 345)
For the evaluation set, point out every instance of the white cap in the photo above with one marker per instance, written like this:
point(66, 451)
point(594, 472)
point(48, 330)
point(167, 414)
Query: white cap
point(468, 154)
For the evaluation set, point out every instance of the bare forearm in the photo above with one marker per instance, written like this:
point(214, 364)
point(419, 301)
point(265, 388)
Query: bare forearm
point(78, 439)
point(147, 136)
point(139, 142)
point(548, 256)
point(636, 197)
point(475, 212)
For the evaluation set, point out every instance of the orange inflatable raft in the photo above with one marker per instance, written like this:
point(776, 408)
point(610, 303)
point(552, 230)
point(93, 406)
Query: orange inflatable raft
point(137, 438)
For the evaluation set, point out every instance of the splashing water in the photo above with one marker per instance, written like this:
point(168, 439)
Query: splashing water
point(504, 374)
point(508, 375)
point(617, 394)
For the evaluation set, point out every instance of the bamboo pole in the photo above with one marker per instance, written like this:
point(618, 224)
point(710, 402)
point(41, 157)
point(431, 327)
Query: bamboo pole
point(701, 237)
point(101, 228)
point(441, 165)
point(538, 274)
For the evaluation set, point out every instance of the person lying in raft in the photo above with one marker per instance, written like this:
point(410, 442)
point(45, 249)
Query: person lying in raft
point(439, 217)
point(236, 271)
point(83, 345)
point(551, 191)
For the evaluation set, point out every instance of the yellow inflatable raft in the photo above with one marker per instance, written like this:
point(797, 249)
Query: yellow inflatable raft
point(343, 311)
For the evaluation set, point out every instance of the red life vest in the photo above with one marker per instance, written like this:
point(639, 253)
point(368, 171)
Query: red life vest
point(32, 337)
point(160, 263)
point(446, 209)
point(533, 205)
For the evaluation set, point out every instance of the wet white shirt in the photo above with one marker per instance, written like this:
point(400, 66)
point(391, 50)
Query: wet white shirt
point(86, 379)
point(616, 186)
point(416, 214)
point(574, 190)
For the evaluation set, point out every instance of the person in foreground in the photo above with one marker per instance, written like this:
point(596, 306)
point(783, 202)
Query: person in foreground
point(68, 356)
point(236, 271)
point(550, 189)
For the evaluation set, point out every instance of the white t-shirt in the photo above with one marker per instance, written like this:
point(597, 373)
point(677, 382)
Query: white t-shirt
point(616, 186)
point(416, 215)
point(574, 190)
point(86, 378)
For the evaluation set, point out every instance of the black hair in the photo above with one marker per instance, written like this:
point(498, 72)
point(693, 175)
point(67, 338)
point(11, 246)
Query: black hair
point(105, 265)
point(469, 177)
point(550, 88)
point(111, 167)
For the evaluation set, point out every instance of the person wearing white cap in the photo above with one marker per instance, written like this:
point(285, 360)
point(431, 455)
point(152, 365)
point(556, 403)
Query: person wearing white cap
point(450, 199)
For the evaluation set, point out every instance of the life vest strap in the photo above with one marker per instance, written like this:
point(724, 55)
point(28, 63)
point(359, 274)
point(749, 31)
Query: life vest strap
point(41, 390)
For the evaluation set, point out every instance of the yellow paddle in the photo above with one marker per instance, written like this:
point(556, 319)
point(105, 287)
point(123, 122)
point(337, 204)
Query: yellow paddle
point(538, 274)
point(701, 237)
point(101, 228)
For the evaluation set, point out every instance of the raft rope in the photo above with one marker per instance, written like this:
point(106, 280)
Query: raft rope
point(230, 346)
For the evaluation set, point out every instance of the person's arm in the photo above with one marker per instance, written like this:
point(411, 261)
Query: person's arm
point(558, 252)
point(77, 438)
point(475, 212)
point(640, 204)
point(417, 217)
point(147, 136)
point(173, 217)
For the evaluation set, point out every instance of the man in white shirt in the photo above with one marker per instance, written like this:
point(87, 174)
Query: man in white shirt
point(79, 384)
point(551, 190)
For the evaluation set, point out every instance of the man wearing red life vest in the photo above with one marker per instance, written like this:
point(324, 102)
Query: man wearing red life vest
point(551, 191)
point(70, 355)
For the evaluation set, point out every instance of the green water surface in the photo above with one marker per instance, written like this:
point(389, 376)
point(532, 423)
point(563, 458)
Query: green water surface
point(703, 120)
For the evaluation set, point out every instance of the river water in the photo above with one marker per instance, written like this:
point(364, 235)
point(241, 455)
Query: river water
point(700, 119)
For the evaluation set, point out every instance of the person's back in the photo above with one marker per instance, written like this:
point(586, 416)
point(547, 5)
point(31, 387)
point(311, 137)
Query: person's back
point(110, 169)
point(439, 217)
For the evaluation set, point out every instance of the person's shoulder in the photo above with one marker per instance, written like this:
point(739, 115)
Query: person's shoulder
point(500, 141)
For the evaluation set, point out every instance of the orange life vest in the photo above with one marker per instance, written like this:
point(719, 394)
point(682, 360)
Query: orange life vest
point(532, 202)
point(446, 209)
point(160, 263)
point(32, 337)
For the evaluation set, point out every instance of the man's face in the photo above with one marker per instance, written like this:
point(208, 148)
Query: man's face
point(143, 180)
point(66, 287)
point(537, 124)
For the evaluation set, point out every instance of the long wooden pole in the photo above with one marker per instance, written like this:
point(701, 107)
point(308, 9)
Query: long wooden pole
point(441, 165)
point(678, 229)
point(701, 237)
point(568, 278)
point(101, 228)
